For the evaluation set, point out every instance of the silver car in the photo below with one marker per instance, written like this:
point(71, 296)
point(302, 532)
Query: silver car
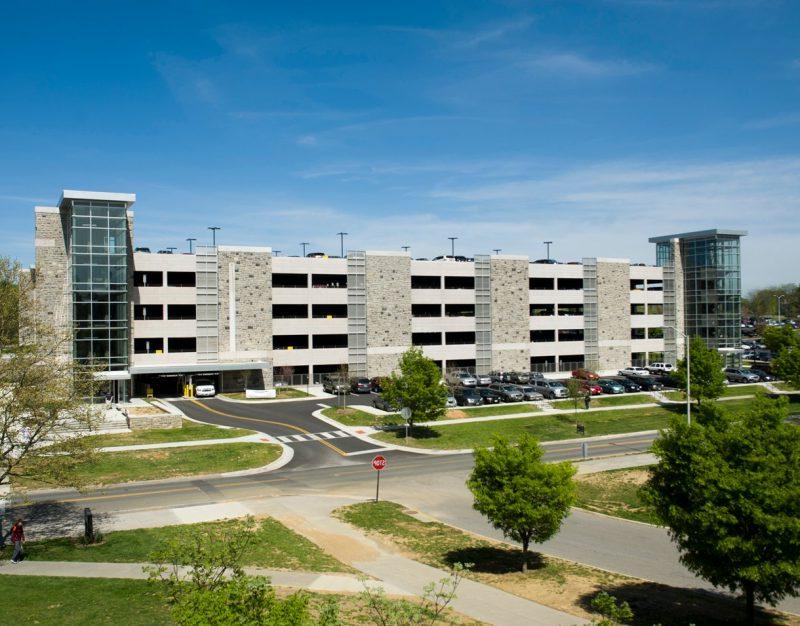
point(450, 403)
point(550, 389)
point(529, 393)
point(483, 379)
point(462, 379)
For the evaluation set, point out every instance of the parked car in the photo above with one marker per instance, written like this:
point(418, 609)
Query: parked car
point(376, 384)
point(584, 374)
point(500, 377)
point(451, 401)
point(467, 396)
point(360, 385)
point(204, 389)
point(529, 393)
point(668, 381)
point(591, 387)
point(610, 386)
point(629, 385)
point(490, 396)
point(379, 402)
point(739, 375)
point(550, 389)
point(634, 370)
point(534, 375)
point(661, 368)
point(331, 385)
point(519, 378)
point(648, 383)
point(509, 393)
point(461, 379)
point(762, 375)
point(483, 379)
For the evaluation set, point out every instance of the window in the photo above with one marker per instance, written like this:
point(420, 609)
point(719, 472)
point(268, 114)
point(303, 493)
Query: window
point(148, 311)
point(426, 282)
point(655, 285)
point(543, 336)
point(655, 333)
point(638, 359)
point(182, 344)
point(541, 283)
point(637, 309)
point(181, 312)
point(455, 338)
point(148, 279)
point(655, 309)
point(289, 311)
point(570, 283)
point(329, 281)
point(180, 279)
point(570, 334)
point(655, 357)
point(323, 311)
point(637, 284)
point(570, 309)
point(290, 342)
point(426, 310)
point(542, 309)
point(327, 342)
point(289, 281)
point(637, 333)
point(426, 339)
point(152, 345)
point(459, 282)
point(459, 310)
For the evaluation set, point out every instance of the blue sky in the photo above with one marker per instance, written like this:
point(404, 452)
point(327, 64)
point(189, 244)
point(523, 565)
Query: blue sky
point(594, 124)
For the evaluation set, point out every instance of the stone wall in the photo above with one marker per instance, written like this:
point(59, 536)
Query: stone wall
point(388, 280)
point(613, 314)
point(148, 422)
point(510, 314)
point(53, 283)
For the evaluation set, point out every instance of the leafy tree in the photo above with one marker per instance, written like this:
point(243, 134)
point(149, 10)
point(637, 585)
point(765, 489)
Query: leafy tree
point(417, 386)
point(787, 366)
point(707, 375)
point(576, 393)
point(42, 392)
point(728, 488)
point(776, 338)
point(521, 495)
point(612, 612)
point(203, 579)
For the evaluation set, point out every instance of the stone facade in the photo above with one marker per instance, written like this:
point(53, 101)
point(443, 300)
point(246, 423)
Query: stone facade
point(147, 422)
point(53, 283)
point(510, 314)
point(388, 281)
point(245, 275)
point(613, 314)
point(674, 343)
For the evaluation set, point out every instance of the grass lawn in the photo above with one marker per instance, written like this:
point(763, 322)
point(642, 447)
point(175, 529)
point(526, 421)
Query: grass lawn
point(117, 467)
point(281, 393)
point(80, 601)
point(275, 546)
point(784, 386)
point(191, 431)
point(615, 492)
point(560, 584)
point(351, 416)
point(492, 409)
point(677, 396)
point(620, 400)
point(544, 427)
point(742, 390)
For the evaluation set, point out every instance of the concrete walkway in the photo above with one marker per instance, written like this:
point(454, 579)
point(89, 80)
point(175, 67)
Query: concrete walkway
point(257, 438)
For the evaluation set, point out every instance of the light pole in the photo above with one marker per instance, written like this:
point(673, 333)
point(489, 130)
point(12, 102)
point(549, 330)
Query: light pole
point(405, 248)
point(497, 250)
point(452, 246)
point(779, 298)
point(214, 230)
point(547, 243)
point(304, 244)
point(688, 374)
point(341, 244)
point(276, 252)
point(171, 249)
point(190, 240)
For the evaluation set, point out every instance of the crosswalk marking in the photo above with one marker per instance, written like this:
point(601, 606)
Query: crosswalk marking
point(336, 434)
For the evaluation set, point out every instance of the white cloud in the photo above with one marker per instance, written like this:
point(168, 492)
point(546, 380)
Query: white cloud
point(573, 64)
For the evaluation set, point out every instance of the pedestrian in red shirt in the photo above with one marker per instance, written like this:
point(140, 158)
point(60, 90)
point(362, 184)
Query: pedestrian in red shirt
point(17, 538)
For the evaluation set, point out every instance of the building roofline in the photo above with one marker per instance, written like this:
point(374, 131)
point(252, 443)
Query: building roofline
point(108, 196)
point(699, 234)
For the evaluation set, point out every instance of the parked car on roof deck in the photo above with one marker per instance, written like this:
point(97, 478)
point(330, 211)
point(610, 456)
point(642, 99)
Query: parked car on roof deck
point(610, 386)
point(490, 396)
point(585, 374)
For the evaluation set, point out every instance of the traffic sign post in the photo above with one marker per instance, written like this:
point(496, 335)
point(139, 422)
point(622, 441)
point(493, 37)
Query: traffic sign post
point(378, 464)
point(405, 413)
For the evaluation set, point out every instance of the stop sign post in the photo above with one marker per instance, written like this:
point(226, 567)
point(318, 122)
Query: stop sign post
point(378, 464)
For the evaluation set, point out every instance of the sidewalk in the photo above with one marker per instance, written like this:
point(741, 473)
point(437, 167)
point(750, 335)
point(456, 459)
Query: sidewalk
point(257, 438)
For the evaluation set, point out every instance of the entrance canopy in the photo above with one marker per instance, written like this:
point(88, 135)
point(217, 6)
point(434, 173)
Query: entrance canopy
point(192, 368)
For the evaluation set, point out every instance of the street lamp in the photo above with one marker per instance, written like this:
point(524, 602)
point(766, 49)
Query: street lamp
point(190, 240)
point(171, 249)
point(497, 250)
point(452, 246)
point(304, 244)
point(341, 244)
point(779, 298)
point(405, 248)
point(276, 252)
point(547, 243)
point(688, 374)
point(214, 230)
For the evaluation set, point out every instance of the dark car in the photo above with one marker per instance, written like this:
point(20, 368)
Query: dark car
point(467, 396)
point(610, 386)
point(762, 375)
point(630, 386)
point(376, 384)
point(381, 403)
point(360, 385)
point(534, 375)
point(667, 381)
point(519, 378)
point(331, 385)
point(648, 383)
point(490, 396)
point(509, 393)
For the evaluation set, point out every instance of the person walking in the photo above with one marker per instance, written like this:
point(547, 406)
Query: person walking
point(17, 539)
point(587, 400)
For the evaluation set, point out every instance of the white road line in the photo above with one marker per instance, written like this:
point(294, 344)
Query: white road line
point(371, 451)
point(327, 436)
point(285, 439)
point(298, 438)
point(324, 406)
point(340, 433)
point(314, 437)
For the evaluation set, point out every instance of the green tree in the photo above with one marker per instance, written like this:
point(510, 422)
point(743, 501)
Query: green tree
point(707, 375)
point(576, 393)
point(787, 366)
point(612, 611)
point(728, 488)
point(417, 386)
point(776, 338)
point(521, 495)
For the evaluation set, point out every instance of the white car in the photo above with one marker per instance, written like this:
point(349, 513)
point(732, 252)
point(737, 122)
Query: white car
point(661, 368)
point(484, 380)
point(635, 371)
point(204, 389)
point(462, 379)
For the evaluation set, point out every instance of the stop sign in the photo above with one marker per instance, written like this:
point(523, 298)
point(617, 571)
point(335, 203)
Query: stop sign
point(379, 463)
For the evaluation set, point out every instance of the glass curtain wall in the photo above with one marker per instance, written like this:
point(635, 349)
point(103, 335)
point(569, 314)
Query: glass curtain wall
point(99, 283)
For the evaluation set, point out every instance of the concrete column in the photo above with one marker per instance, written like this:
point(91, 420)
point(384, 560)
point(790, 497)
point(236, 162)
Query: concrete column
point(510, 313)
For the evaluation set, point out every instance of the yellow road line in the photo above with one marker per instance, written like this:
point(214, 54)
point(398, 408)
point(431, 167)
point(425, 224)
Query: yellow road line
point(285, 425)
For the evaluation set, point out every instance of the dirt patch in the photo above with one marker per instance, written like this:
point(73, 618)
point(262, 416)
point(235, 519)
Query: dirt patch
point(457, 414)
point(345, 549)
point(636, 476)
point(145, 410)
